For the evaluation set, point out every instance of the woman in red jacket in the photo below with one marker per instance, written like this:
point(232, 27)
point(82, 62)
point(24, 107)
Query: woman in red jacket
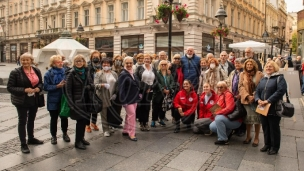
point(221, 124)
point(185, 103)
point(207, 100)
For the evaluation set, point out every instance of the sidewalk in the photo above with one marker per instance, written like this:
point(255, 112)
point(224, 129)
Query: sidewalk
point(159, 149)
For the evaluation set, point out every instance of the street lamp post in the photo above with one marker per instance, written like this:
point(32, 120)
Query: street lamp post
point(79, 30)
point(221, 15)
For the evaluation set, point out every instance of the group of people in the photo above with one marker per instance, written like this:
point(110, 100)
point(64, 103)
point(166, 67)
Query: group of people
point(186, 86)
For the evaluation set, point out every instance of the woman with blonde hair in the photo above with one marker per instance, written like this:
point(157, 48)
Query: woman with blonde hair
point(25, 84)
point(164, 88)
point(79, 90)
point(53, 84)
point(249, 79)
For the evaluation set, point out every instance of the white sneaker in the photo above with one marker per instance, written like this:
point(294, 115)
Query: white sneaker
point(112, 130)
point(106, 134)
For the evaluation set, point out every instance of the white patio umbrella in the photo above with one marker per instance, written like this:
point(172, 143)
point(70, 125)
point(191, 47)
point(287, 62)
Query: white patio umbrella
point(256, 46)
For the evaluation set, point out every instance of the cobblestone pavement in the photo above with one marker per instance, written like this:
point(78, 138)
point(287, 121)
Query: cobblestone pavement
point(158, 150)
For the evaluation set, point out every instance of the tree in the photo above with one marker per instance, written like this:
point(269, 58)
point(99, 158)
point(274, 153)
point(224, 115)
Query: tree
point(294, 42)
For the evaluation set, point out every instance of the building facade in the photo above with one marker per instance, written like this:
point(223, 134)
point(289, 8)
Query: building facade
point(116, 26)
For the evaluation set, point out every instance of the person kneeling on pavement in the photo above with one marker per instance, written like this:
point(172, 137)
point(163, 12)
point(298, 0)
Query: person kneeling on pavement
point(221, 124)
point(185, 103)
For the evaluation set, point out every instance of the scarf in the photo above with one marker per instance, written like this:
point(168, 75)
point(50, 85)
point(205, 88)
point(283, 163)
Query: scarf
point(180, 77)
point(80, 72)
point(235, 82)
point(58, 75)
point(251, 85)
point(130, 71)
point(213, 77)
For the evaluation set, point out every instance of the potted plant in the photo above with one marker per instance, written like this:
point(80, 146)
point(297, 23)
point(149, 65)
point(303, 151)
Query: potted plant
point(220, 31)
point(180, 12)
point(162, 12)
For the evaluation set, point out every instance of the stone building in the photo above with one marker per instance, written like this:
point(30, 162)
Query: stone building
point(116, 26)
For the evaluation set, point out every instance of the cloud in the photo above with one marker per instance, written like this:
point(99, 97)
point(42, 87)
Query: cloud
point(294, 5)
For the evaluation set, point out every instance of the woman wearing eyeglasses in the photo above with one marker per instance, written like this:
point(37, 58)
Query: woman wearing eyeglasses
point(53, 83)
point(79, 90)
point(93, 67)
point(163, 88)
point(214, 74)
point(249, 79)
point(221, 124)
point(129, 96)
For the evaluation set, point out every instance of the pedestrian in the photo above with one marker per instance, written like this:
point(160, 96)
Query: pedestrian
point(129, 96)
point(204, 68)
point(140, 61)
point(298, 67)
point(165, 87)
point(25, 84)
point(103, 55)
point(53, 84)
point(18, 61)
point(233, 83)
point(249, 79)
point(276, 88)
point(79, 90)
point(214, 74)
point(105, 82)
point(221, 124)
point(231, 57)
point(207, 99)
point(191, 67)
point(185, 104)
point(225, 64)
point(148, 81)
point(162, 55)
point(94, 66)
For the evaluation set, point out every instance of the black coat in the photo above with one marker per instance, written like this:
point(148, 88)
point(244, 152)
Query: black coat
point(272, 90)
point(128, 88)
point(79, 94)
point(142, 85)
point(16, 85)
point(230, 67)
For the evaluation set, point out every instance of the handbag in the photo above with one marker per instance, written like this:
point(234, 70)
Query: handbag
point(40, 99)
point(167, 103)
point(239, 111)
point(284, 109)
point(96, 104)
point(64, 107)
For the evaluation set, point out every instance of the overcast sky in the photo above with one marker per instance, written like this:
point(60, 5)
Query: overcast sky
point(294, 5)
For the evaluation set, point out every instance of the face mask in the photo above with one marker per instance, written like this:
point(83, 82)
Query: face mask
point(230, 57)
point(117, 63)
point(106, 68)
point(95, 60)
point(212, 66)
point(189, 56)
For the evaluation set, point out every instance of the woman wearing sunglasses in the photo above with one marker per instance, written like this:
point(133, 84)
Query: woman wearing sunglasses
point(221, 124)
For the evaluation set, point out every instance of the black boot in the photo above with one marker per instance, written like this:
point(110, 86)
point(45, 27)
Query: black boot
point(25, 149)
point(54, 140)
point(65, 137)
point(80, 145)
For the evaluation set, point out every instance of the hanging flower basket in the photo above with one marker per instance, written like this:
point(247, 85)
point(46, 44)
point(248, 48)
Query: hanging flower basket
point(162, 12)
point(220, 32)
point(180, 12)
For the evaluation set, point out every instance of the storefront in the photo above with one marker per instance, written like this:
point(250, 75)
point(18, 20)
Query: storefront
point(177, 43)
point(105, 45)
point(208, 44)
point(226, 43)
point(132, 44)
point(13, 53)
point(23, 48)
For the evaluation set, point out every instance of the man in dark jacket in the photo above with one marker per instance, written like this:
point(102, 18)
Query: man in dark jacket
point(191, 67)
point(225, 64)
point(249, 55)
point(298, 67)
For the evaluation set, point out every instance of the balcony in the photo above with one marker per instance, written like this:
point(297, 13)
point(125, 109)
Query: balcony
point(51, 31)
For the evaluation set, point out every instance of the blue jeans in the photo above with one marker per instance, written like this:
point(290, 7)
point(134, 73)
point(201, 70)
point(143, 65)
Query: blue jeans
point(223, 127)
point(302, 88)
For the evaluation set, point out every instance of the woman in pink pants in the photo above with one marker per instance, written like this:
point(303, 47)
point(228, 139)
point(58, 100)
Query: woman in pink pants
point(129, 96)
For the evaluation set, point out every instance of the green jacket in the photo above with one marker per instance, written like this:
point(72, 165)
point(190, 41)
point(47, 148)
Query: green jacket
point(158, 95)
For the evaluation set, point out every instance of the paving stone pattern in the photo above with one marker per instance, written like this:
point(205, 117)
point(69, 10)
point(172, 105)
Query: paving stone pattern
point(157, 150)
